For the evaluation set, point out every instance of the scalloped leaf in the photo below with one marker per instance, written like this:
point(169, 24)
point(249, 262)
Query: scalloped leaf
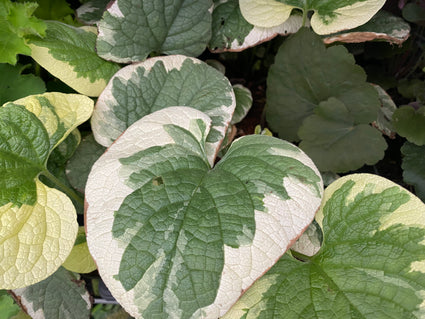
point(69, 54)
point(332, 130)
point(382, 26)
point(319, 95)
point(413, 165)
point(410, 123)
point(16, 23)
point(231, 32)
point(14, 85)
point(173, 236)
point(371, 263)
point(328, 17)
point(8, 308)
point(39, 222)
point(62, 295)
point(140, 89)
point(132, 29)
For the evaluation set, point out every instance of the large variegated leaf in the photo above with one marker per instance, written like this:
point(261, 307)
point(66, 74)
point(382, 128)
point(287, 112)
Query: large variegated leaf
point(38, 223)
point(174, 237)
point(143, 88)
point(132, 29)
point(328, 17)
point(62, 295)
point(371, 263)
point(231, 32)
point(69, 54)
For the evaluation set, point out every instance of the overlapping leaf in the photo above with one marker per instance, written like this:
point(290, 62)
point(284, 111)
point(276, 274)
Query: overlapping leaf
point(231, 32)
point(328, 17)
point(91, 11)
point(414, 167)
point(14, 85)
point(62, 295)
point(371, 263)
point(80, 260)
point(320, 96)
point(410, 123)
point(173, 236)
point(38, 222)
point(140, 89)
point(132, 29)
point(69, 54)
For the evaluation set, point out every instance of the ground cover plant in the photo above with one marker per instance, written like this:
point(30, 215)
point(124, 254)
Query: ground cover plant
point(208, 159)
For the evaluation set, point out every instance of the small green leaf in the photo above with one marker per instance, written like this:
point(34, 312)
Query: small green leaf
point(14, 85)
point(51, 9)
point(8, 308)
point(79, 165)
point(16, 23)
point(371, 263)
point(132, 29)
point(384, 121)
point(69, 54)
point(243, 103)
point(142, 88)
point(173, 236)
point(62, 295)
point(410, 123)
point(413, 165)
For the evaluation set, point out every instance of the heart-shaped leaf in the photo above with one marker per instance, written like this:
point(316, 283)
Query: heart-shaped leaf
point(39, 222)
point(132, 29)
point(371, 263)
point(173, 236)
point(69, 54)
point(62, 295)
point(328, 17)
point(140, 89)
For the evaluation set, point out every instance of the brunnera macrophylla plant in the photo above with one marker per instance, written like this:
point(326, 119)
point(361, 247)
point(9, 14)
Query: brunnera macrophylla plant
point(173, 230)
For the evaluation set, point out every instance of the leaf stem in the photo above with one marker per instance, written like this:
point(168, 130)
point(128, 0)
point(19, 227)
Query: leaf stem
point(300, 256)
point(67, 190)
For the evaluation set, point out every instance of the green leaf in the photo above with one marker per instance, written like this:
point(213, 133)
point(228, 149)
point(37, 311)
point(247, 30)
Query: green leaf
point(231, 32)
point(132, 29)
point(91, 12)
point(40, 222)
point(328, 17)
point(69, 54)
point(383, 26)
point(332, 130)
point(140, 89)
point(62, 295)
point(384, 121)
point(306, 85)
point(243, 103)
point(410, 123)
point(8, 308)
point(172, 236)
point(413, 165)
point(14, 85)
point(79, 165)
point(414, 12)
point(371, 263)
point(51, 9)
point(16, 23)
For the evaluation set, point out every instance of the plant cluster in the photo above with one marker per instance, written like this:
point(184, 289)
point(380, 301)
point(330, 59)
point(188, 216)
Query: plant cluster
point(122, 165)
